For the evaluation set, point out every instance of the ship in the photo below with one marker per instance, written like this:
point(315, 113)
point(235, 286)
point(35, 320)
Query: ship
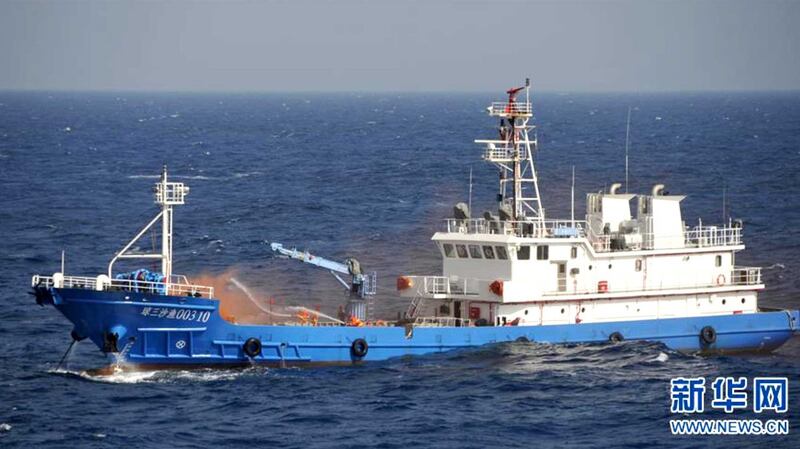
point(510, 275)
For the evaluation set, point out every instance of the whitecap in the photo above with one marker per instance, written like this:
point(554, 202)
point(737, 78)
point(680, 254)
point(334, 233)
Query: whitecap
point(662, 357)
point(4, 427)
point(120, 377)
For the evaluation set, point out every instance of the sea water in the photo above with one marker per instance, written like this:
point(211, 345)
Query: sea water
point(369, 176)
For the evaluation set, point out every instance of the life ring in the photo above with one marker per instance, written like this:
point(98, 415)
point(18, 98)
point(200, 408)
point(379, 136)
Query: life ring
point(252, 347)
point(615, 337)
point(359, 348)
point(721, 279)
point(708, 335)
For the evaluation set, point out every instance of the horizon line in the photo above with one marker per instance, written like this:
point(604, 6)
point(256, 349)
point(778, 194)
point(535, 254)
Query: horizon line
point(399, 92)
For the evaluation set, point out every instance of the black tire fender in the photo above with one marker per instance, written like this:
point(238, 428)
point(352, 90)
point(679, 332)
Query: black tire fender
point(359, 348)
point(252, 347)
point(615, 337)
point(708, 335)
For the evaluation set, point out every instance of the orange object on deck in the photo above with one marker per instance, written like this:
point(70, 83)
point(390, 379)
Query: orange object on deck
point(497, 287)
point(355, 322)
point(602, 287)
point(303, 316)
point(404, 282)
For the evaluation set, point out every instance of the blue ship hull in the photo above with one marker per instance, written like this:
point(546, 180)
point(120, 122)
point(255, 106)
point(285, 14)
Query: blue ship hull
point(148, 329)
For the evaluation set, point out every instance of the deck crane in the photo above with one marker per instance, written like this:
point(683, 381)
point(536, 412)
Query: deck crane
point(361, 288)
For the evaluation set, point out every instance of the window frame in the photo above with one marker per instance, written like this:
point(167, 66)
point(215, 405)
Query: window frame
point(462, 251)
point(542, 252)
point(488, 252)
point(475, 251)
point(524, 250)
point(501, 252)
point(449, 254)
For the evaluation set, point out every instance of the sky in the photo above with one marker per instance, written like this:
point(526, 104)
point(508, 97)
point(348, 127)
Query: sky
point(417, 45)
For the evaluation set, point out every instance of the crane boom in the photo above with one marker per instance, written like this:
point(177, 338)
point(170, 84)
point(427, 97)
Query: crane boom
point(361, 285)
point(305, 256)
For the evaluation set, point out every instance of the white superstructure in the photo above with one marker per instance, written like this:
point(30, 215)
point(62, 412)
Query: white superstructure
point(632, 258)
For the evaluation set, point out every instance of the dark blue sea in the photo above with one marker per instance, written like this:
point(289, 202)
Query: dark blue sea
point(370, 176)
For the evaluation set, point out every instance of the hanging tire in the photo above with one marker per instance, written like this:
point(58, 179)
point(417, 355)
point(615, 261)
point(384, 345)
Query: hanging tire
point(708, 335)
point(615, 337)
point(252, 347)
point(522, 339)
point(359, 348)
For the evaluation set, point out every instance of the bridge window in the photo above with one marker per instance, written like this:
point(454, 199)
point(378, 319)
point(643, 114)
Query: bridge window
point(638, 264)
point(718, 261)
point(488, 252)
point(524, 252)
point(501, 252)
point(462, 251)
point(449, 251)
point(475, 252)
point(574, 252)
point(542, 252)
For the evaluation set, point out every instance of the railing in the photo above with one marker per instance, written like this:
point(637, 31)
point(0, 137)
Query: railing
point(445, 321)
point(500, 107)
point(696, 237)
point(171, 193)
point(541, 228)
point(499, 154)
point(443, 285)
point(700, 236)
point(746, 276)
point(178, 285)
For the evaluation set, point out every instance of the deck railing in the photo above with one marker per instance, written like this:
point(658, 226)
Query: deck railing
point(536, 228)
point(746, 276)
point(501, 107)
point(739, 276)
point(700, 236)
point(443, 285)
point(444, 321)
point(177, 286)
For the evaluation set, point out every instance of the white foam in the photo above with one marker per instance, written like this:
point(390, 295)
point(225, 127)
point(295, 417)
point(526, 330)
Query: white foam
point(662, 357)
point(117, 376)
point(4, 427)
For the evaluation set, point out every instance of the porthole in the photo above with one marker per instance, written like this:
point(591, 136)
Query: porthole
point(609, 266)
point(590, 267)
point(562, 310)
point(583, 309)
point(742, 300)
point(724, 301)
point(526, 312)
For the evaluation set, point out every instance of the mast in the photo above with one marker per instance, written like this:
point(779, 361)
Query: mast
point(512, 153)
point(627, 141)
point(167, 195)
point(166, 225)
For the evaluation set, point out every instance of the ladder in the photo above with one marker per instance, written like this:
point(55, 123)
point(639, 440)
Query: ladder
point(414, 307)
